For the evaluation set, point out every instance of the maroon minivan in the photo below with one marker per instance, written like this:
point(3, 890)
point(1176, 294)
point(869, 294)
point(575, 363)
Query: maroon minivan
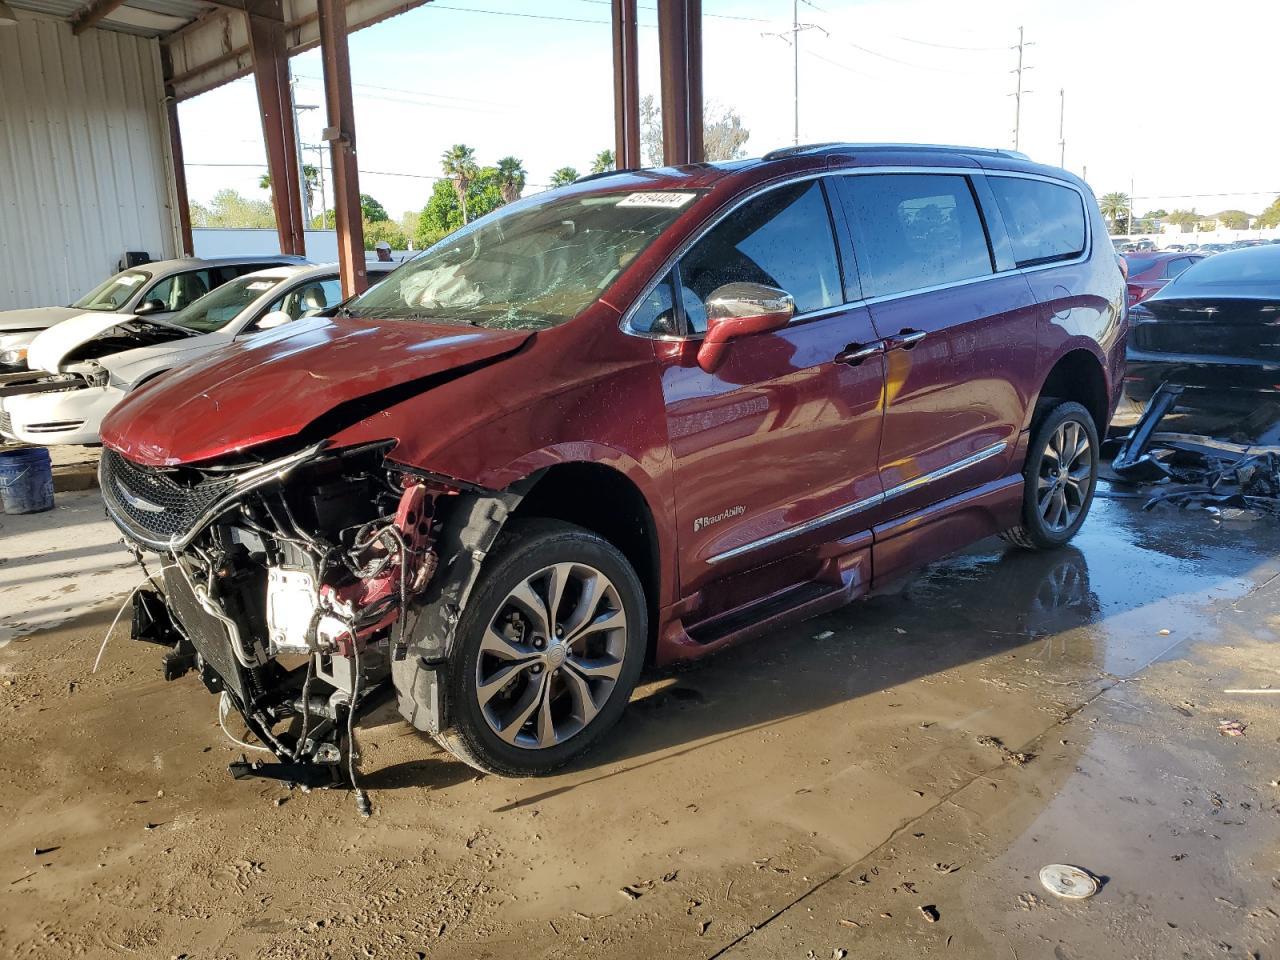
point(634, 419)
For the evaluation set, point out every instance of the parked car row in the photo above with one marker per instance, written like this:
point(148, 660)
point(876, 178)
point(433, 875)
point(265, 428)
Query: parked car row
point(81, 366)
point(630, 420)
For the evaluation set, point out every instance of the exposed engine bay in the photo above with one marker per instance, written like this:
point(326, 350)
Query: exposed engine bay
point(289, 586)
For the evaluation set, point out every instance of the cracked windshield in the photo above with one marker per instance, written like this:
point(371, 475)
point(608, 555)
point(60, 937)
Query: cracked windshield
point(527, 269)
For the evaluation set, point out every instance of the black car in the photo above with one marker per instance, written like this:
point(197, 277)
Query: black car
point(1215, 328)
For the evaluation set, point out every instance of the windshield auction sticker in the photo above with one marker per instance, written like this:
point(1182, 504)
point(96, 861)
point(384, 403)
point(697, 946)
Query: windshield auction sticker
point(653, 198)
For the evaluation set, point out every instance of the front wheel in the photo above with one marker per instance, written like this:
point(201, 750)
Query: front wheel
point(1061, 474)
point(549, 649)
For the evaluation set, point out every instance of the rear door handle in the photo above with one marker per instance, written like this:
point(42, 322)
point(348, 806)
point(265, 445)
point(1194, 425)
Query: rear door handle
point(855, 353)
point(905, 340)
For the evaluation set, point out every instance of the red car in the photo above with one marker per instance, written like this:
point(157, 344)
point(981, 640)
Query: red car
point(1150, 270)
point(632, 420)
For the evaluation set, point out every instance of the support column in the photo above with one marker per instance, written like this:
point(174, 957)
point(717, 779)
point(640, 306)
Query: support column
point(680, 52)
point(271, 75)
point(179, 172)
point(626, 87)
point(341, 137)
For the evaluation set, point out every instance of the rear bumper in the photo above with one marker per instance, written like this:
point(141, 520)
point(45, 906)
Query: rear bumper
point(1224, 377)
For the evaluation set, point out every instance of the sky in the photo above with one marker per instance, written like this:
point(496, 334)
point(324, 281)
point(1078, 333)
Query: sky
point(1175, 97)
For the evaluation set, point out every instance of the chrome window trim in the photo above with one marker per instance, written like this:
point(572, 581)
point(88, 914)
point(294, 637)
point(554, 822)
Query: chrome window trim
point(849, 510)
point(625, 323)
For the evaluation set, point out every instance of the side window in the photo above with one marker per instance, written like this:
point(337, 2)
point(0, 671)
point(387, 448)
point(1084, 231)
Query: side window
point(781, 238)
point(1045, 220)
point(656, 314)
point(307, 299)
point(914, 230)
point(1176, 266)
point(181, 289)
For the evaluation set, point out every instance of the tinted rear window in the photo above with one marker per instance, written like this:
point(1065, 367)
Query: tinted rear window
point(1252, 265)
point(914, 230)
point(1045, 221)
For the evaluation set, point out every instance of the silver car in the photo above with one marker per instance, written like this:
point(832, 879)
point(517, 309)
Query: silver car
point(157, 290)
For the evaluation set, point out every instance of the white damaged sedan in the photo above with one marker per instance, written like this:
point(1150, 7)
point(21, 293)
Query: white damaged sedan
point(84, 366)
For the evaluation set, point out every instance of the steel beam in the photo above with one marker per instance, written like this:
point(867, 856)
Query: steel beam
point(626, 87)
point(176, 158)
point(91, 14)
point(271, 75)
point(680, 54)
point(341, 136)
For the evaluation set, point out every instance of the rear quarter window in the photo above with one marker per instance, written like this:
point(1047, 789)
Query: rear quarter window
point(1045, 220)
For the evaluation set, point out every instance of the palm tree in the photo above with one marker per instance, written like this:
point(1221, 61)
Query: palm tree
point(1114, 206)
point(563, 177)
point(310, 182)
point(511, 178)
point(459, 165)
point(603, 162)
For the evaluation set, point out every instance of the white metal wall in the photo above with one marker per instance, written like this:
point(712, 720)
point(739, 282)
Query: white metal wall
point(84, 171)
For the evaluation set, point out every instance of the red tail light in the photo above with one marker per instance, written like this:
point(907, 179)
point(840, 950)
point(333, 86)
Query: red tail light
point(1124, 266)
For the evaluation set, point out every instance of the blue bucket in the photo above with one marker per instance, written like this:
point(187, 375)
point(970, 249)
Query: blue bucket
point(26, 480)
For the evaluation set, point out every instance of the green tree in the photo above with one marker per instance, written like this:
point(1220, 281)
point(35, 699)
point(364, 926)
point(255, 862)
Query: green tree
point(723, 134)
point(511, 178)
point(443, 212)
point(371, 210)
point(563, 177)
point(229, 209)
point(459, 165)
point(1270, 217)
point(603, 162)
point(376, 231)
point(1115, 207)
point(1186, 220)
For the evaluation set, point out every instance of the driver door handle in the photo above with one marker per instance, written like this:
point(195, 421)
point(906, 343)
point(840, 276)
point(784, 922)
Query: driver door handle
point(855, 353)
point(905, 340)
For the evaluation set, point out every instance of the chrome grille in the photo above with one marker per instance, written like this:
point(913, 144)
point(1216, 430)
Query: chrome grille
point(150, 504)
point(6, 423)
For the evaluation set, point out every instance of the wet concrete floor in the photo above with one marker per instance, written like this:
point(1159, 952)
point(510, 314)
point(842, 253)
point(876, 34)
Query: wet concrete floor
point(803, 796)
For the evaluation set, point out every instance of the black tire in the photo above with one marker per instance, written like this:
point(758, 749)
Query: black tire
point(1038, 531)
point(530, 549)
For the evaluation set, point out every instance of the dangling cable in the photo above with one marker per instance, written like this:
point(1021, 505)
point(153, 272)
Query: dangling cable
point(103, 649)
point(224, 704)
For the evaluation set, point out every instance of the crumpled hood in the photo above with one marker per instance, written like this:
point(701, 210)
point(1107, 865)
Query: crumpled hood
point(272, 385)
point(48, 349)
point(34, 318)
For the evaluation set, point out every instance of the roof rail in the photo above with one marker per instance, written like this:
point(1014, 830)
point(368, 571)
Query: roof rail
point(812, 148)
point(604, 173)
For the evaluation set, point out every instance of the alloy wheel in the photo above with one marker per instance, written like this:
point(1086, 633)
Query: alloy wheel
point(551, 655)
point(1065, 476)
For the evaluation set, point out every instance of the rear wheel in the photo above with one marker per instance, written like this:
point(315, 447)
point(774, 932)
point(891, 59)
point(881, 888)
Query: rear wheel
point(549, 650)
point(1061, 474)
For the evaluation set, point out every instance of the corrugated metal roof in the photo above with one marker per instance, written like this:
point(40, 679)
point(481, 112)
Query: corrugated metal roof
point(138, 17)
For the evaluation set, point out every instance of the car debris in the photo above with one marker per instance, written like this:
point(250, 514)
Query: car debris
point(1071, 883)
point(1230, 480)
point(1231, 728)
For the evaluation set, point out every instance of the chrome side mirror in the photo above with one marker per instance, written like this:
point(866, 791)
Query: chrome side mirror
point(738, 310)
point(276, 318)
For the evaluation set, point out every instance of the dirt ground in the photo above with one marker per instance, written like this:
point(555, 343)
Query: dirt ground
point(886, 781)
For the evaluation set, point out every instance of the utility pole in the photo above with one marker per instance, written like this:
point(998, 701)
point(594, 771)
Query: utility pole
point(794, 39)
point(1062, 139)
point(795, 62)
point(1021, 46)
point(297, 143)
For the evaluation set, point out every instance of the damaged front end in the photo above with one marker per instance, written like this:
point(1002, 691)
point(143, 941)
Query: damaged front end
point(286, 584)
